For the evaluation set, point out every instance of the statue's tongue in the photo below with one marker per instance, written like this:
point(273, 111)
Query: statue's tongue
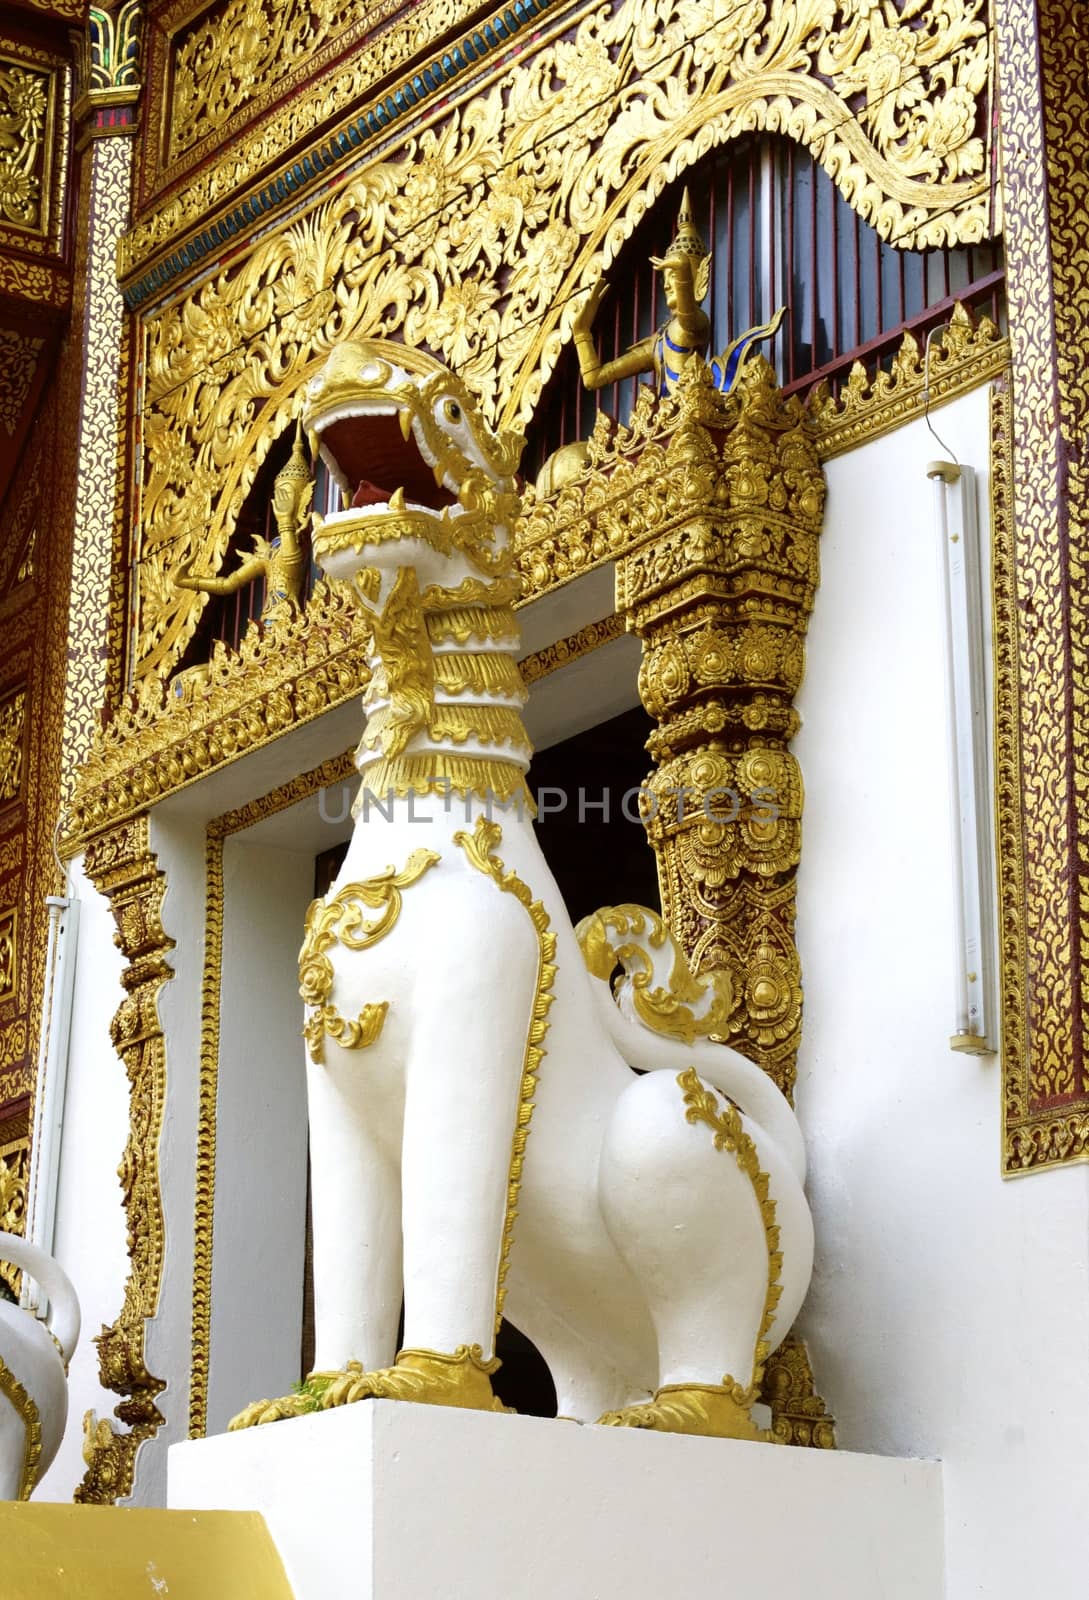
point(368, 495)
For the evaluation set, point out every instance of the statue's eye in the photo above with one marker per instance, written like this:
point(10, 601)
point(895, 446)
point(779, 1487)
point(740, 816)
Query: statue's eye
point(451, 410)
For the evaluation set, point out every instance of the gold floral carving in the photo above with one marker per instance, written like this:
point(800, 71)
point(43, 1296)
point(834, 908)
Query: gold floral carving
point(342, 919)
point(889, 96)
point(210, 83)
point(702, 1104)
point(19, 355)
point(1041, 578)
point(12, 718)
point(480, 234)
point(26, 1410)
point(26, 111)
point(14, 1175)
point(9, 951)
point(123, 868)
point(220, 829)
point(480, 847)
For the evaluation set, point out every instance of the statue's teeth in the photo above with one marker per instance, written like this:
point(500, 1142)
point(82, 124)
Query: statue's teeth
point(440, 474)
point(397, 500)
point(405, 419)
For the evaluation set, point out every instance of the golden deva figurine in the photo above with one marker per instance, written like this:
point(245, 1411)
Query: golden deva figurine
point(686, 278)
point(283, 563)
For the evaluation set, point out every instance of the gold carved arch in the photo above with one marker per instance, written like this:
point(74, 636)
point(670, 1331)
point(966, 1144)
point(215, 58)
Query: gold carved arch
point(479, 233)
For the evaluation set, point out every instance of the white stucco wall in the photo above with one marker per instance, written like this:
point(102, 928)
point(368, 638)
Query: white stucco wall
point(261, 1131)
point(89, 1240)
point(949, 1314)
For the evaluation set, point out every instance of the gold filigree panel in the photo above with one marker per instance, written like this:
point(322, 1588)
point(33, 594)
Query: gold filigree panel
point(200, 98)
point(34, 97)
point(9, 967)
point(479, 235)
point(12, 719)
point(27, 104)
point(96, 608)
point(1041, 502)
point(19, 353)
point(888, 94)
point(236, 49)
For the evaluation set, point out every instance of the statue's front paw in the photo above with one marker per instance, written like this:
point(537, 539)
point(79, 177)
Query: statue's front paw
point(261, 1411)
point(714, 1411)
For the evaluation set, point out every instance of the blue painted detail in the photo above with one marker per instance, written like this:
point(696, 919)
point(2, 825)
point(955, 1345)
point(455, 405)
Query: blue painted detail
point(489, 36)
point(461, 61)
point(480, 45)
point(448, 66)
point(391, 108)
point(418, 85)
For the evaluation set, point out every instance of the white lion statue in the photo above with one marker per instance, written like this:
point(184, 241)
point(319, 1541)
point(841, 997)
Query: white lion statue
point(492, 1130)
point(34, 1357)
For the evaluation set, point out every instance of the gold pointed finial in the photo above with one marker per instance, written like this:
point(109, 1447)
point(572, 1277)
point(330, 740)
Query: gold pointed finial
point(687, 247)
point(296, 468)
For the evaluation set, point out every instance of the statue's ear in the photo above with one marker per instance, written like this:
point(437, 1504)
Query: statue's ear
point(701, 279)
point(511, 444)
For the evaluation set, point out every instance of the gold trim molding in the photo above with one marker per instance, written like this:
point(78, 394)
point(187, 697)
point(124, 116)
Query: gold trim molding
point(219, 829)
point(963, 356)
point(123, 868)
point(1041, 483)
point(281, 677)
point(27, 1412)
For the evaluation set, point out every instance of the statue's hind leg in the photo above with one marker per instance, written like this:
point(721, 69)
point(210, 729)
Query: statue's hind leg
point(714, 1225)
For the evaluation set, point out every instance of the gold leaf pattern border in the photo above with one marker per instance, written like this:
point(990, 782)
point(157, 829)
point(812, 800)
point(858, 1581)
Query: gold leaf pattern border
point(219, 829)
point(1042, 589)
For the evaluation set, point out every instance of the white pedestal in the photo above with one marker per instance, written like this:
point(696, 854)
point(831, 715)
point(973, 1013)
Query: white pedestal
point(384, 1501)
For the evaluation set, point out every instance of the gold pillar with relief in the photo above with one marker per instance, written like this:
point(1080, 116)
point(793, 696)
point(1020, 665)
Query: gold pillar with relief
point(720, 592)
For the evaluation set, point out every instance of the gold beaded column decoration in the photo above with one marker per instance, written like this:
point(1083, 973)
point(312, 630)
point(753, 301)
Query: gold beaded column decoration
point(720, 593)
point(105, 118)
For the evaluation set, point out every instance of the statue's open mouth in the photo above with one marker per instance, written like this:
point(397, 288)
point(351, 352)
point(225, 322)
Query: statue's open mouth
point(379, 460)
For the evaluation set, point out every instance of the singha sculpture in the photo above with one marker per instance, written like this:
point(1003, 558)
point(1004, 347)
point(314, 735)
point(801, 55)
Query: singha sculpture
point(493, 1128)
point(34, 1357)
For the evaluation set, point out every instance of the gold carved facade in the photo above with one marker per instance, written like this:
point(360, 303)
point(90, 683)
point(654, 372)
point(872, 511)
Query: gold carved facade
point(477, 233)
